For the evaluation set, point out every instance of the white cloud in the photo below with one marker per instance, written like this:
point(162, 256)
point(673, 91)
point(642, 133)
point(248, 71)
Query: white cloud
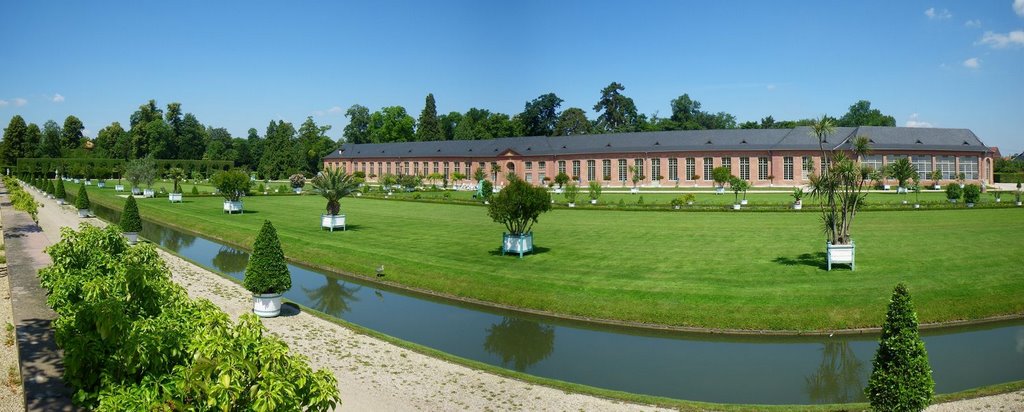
point(4, 103)
point(938, 14)
point(998, 40)
point(972, 63)
point(1018, 6)
point(914, 122)
point(333, 111)
point(20, 102)
point(57, 98)
point(974, 23)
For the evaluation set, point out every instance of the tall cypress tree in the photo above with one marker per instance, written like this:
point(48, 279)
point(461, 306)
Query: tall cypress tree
point(901, 379)
point(428, 128)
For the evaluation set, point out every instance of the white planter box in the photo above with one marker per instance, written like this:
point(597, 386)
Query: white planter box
point(676, 207)
point(1018, 204)
point(332, 222)
point(232, 207)
point(119, 188)
point(593, 201)
point(148, 193)
point(84, 213)
point(101, 184)
point(572, 205)
point(936, 187)
point(558, 191)
point(719, 190)
point(297, 190)
point(885, 187)
point(517, 243)
point(174, 197)
point(743, 201)
point(266, 305)
point(900, 189)
point(735, 207)
point(88, 182)
point(634, 190)
point(77, 181)
point(798, 206)
point(970, 205)
point(917, 206)
point(60, 201)
point(133, 237)
point(843, 254)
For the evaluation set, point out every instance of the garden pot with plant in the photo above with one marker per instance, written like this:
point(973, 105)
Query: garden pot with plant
point(936, 177)
point(1018, 193)
point(972, 193)
point(954, 193)
point(738, 185)
point(798, 194)
point(140, 171)
point(517, 207)
point(676, 202)
point(594, 191)
point(917, 193)
point(58, 191)
point(571, 192)
point(82, 202)
point(720, 175)
point(333, 185)
point(131, 223)
point(266, 274)
point(696, 178)
point(232, 185)
point(297, 181)
point(176, 174)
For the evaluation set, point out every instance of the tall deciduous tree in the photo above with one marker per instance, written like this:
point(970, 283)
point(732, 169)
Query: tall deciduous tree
point(428, 128)
point(314, 144)
point(448, 124)
point(358, 128)
point(391, 124)
point(13, 145)
point(190, 137)
point(33, 136)
point(861, 114)
point(218, 144)
point(49, 145)
point(540, 115)
point(71, 138)
point(572, 121)
point(617, 112)
point(107, 139)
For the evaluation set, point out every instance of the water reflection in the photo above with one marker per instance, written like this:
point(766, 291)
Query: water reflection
point(838, 378)
point(520, 342)
point(230, 260)
point(334, 297)
point(176, 240)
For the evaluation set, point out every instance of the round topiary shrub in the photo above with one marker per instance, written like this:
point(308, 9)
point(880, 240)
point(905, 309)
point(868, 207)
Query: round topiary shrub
point(82, 200)
point(58, 190)
point(297, 180)
point(954, 192)
point(972, 193)
point(901, 379)
point(267, 271)
point(130, 220)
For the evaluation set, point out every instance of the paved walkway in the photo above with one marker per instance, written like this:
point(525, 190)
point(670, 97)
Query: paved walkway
point(41, 362)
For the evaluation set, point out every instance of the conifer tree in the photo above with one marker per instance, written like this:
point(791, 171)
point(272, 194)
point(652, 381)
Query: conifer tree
point(130, 220)
point(901, 379)
point(428, 128)
point(267, 271)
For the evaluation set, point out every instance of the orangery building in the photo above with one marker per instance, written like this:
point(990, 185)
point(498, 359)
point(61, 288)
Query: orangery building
point(780, 157)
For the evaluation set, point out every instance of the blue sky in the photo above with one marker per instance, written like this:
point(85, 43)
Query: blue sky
point(240, 64)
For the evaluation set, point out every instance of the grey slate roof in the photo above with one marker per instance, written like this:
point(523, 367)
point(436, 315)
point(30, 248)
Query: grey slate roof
point(799, 138)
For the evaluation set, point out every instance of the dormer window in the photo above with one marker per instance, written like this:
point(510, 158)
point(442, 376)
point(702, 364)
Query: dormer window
point(918, 141)
point(708, 142)
point(744, 141)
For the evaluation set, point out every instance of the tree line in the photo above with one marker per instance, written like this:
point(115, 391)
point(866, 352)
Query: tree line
point(283, 150)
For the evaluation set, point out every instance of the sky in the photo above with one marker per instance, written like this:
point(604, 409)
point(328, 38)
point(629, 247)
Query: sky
point(954, 64)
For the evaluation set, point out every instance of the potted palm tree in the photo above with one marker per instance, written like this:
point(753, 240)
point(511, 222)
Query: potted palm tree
point(58, 191)
point(297, 181)
point(721, 176)
point(82, 202)
point(902, 170)
point(571, 192)
point(333, 185)
point(594, 191)
point(119, 170)
point(232, 185)
point(798, 194)
point(517, 207)
point(131, 223)
point(936, 177)
point(175, 174)
point(266, 274)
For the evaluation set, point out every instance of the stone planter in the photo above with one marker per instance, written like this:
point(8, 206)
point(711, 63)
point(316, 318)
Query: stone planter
point(720, 190)
point(936, 187)
point(233, 206)
point(174, 197)
point(917, 205)
point(736, 206)
point(970, 205)
point(101, 184)
point(332, 222)
point(83, 213)
point(133, 237)
point(1018, 204)
point(77, 181)
point(148, 193)
point(843, 254)
point(517, 243)
point(266, 305)
point(593, 201)
point(634, 190)
point(558, 191)
point(359, 194)
point(901, 189)
point(676, 207)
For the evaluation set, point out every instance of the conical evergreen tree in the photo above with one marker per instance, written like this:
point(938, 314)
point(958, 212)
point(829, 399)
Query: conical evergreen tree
point(267, 271)
point(49, 186)
point(901, 379)
point(130, 220)
point(428, 127)
point(82, 200)
point(58, 189)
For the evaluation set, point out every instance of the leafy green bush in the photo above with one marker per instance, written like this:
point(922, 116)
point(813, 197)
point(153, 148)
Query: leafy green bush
point(561, 179)
point(571, 192)
point(486, 190)
point(195, 190)
point(901, 379)
point(140, 171)
point(82, 200)
point(130, 220)
point(232, 184)
point(518, 206)
point(267, 271)
point(954, 192)
point(133, 340)
point(58, 189)
point(20, 199)
point(594, 190)
point(972, 193)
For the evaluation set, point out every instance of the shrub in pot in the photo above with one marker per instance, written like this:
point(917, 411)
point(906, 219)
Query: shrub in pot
point(954, 193)
point(972, 193)
point(333, 185)
point(82, 202)
point(140, 171)
point(486, 191)
point(936, 177)
point(798, 194)
point(517, 207)
point(297, 181)
point(689, 198)
point(561, 179)
point(738, 185)
point(232, 185)
point(58, 191)
point(176, 174)
point(571, 192)
point(676, 202)
point(902, 170)
point(901, 378)
point(1018, 193)
point(721, 176)
point(266, 275)
point(594, 192)
point(131, 223)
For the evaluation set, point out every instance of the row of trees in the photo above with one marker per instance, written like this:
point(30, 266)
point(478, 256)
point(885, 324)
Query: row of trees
point(617, 113)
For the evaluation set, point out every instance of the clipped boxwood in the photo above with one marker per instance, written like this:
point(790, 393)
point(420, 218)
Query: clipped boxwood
point(130, 220)
point(267, 271)
point(58, 189)
point(972, 193)
point(82, 200)
point(954, 192)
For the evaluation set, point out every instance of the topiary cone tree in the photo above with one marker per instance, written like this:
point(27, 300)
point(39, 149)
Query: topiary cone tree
point(901, 379)
point(49, 186)
point(82, 202)
point(131, 223)
point(266, 275)
point(58, 191)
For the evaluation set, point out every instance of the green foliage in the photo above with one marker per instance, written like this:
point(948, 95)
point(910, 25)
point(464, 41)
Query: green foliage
point(840, 186)
point(409, 182)
point(133, 340)
point(260, 188)
point(721, 175)
point(618, 113)
point(902, 170)
point(58, 189)
point(972, 193)
point(738, 185)
point(140, 171)
point(49, 186)
point(176, 174)
point(594, 190)
point(936, 176)
point(901, 379)
point(861, 114)
point(479, 174)
point(798, 193)
point(486, 190)
point(195, 190)
point(954, 192)
point(130, 220)
point(267, 271)
point(297, 180)
point(561, 179)
point(333, 185)
point(428, 128)
point(20, 199)
point(82, 199)
point(571, 192)
point(232, 184)
point(518, 205)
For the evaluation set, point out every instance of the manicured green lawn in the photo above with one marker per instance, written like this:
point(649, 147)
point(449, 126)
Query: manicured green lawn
point(710, 269)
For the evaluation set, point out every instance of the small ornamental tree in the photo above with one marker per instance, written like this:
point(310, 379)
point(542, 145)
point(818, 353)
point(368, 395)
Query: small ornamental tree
point(130, 220)
point(82, 200)
point(571, 192)
point(267, 271)
point(561, 179)
point(594, 190)
point(486, 190)
point(176, 174)
point(58, 189)
point(972, 193)
point(479, 174)
point(902, 170)
point(901, 379)
point(954, 192)
point(518, 206)
point(936, 176)
point(49, 186)
point(232, 184)
point(297, 180)
point(333, 185)
point(738, 185)
point(721, 175)
point(140, 171)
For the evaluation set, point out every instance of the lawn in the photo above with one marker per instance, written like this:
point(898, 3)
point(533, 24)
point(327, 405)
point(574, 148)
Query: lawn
point(712, 269)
